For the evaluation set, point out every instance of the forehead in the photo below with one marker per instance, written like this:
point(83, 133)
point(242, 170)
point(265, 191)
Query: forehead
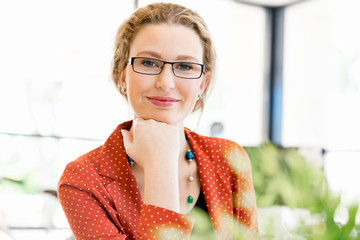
point(168, 41)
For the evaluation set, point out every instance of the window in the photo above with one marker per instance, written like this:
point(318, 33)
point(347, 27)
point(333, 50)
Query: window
point(322, 86)
point(55, 81)
point(55, 59)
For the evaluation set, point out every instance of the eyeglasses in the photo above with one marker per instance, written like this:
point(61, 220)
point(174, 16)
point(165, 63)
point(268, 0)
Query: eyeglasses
point(150, 66)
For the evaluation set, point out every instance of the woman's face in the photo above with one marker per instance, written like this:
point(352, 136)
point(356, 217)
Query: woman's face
point(164, 97)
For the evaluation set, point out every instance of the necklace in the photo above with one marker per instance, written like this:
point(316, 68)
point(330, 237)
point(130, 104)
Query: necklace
point(190, 157)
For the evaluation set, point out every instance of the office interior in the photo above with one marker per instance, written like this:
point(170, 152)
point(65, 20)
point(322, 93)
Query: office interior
point(287, 89)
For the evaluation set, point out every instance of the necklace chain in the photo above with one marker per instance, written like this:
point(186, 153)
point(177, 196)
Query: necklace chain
point(189, 156)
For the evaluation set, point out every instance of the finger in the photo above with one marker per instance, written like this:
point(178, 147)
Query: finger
point(127, 138)
point(138, 120)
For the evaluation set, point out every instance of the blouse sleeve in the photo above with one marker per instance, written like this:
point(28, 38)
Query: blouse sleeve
point(89, 219)
point(85, 215)
point(244, 202)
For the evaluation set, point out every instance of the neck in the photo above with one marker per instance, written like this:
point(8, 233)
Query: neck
point(182, 139)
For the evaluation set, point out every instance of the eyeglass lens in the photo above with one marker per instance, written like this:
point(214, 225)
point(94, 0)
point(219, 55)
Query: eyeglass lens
point(180, 69)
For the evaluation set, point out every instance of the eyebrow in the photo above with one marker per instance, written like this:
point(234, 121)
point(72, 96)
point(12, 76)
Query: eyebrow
point(156, 55)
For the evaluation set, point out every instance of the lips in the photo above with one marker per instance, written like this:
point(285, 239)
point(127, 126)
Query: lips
point(163, 101)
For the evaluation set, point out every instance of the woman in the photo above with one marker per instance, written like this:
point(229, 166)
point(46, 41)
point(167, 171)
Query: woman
point(149, 174)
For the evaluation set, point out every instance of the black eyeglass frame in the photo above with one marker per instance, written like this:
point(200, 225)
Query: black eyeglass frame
point(132, 59)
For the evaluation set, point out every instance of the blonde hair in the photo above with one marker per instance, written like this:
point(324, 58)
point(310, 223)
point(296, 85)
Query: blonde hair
point(158, 13)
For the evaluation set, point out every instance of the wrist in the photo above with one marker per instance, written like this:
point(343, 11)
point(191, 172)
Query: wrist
point(161, 163)
point(161, 187)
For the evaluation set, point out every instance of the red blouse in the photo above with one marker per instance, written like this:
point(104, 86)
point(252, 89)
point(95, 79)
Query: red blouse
point(101, 199)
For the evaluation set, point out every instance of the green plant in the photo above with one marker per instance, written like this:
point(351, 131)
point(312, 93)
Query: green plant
point(282, 176)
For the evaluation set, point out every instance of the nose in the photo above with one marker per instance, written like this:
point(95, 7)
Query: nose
point(166, 79)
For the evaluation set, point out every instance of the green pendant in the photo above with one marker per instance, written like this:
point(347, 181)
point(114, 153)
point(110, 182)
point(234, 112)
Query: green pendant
point(190, 199)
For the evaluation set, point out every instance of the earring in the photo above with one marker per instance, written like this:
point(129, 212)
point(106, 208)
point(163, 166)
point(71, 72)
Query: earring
point(199, 96)
point(123, 90)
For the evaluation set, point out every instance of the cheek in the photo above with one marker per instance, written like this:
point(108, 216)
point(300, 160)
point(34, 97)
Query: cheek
point(135, 85)
point(191, 92)
point(133, 90)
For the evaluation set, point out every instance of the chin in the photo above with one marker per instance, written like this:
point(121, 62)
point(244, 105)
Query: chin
point(165, 119)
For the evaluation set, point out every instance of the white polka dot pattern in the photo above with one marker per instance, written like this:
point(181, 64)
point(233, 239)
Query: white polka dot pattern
point(225, 173)
point(101, 198)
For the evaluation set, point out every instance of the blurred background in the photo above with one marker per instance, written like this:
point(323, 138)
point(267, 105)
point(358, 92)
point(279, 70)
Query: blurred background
point(287, 88)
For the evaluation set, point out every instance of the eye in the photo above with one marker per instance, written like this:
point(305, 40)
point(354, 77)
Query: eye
point(149, 63)
point(184, 66)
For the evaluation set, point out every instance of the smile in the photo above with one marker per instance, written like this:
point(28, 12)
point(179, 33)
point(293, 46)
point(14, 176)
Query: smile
point(163, 101)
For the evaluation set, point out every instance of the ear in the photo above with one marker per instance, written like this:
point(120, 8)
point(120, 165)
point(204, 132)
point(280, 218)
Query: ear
point(205, 81)
point(122, 79)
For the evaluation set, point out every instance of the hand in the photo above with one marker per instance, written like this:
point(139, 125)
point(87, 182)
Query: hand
point(152, 142)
